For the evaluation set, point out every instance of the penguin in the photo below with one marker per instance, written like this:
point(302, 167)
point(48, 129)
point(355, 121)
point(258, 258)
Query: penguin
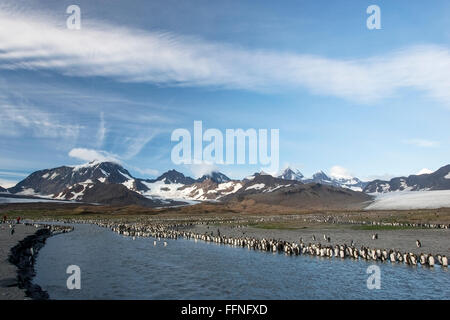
point(418, 244)
point(444, 261)
point(392, 256)
point(413, 258)
point(431, 260)
point(423, 259)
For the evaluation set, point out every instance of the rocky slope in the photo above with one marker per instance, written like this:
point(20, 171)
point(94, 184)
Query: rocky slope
point(290, 193)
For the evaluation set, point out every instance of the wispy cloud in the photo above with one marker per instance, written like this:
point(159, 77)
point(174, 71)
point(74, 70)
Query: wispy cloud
point(136, 143)
point(18, 120)
point(384, 177)
point(101, 133)
point(13, 174)
point(146, 171)
point(127, 54)
point(423, 143)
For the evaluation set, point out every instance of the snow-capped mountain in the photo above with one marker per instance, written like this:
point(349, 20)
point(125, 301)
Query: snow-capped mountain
point(291, 174)
point(269, 190)
point(263, 183)
point(173, 176)
point(98, 182)
point(208, 187)
point(3, 190)
point(438, 180)
point(51, 182)
point(321, 177)
point(350, 183)
point(110, 183)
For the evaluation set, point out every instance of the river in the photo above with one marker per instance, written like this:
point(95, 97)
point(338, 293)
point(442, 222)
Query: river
point(117, 267)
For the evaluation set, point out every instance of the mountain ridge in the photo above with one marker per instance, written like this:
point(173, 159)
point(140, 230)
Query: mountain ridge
point(437, 180)
point(110, 183)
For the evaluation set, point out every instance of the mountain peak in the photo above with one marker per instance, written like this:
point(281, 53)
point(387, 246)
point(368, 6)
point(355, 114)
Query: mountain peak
point(291, 174)
point(215, 176)
point(321, 176)
point(173, 176)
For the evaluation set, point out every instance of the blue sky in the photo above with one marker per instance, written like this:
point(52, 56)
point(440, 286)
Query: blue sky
point(369, 103)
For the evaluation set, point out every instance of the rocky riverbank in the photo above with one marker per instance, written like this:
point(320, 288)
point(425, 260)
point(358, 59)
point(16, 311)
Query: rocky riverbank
point(19, 250)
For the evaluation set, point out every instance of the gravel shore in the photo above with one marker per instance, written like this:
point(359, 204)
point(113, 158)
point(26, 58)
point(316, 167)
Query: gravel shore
point(9, 289)
point(436, 241)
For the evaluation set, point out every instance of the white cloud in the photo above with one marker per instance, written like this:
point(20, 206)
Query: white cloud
point(128, 54)
point(7, 183)
point(339, 172)
point(423, 143)
point(424, 171)
point(91, 155)
point(198, 170)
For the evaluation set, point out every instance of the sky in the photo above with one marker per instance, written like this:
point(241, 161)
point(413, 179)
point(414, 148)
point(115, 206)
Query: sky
point(346, 100)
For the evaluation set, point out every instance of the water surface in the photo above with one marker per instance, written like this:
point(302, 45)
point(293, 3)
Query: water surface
point(118, 267)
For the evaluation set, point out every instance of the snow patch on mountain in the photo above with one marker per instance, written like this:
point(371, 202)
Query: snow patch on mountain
point(28, 192)
point(54, 175)
point(91, 164)
point(229, 185)
point(160, 189)
point(277, 187)
point(256, 186)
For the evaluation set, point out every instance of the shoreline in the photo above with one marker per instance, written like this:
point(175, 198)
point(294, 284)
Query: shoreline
point(23, 256)
point(18, 267)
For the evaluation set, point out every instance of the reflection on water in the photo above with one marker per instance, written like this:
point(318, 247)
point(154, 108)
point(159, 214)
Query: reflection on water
point(118, 267)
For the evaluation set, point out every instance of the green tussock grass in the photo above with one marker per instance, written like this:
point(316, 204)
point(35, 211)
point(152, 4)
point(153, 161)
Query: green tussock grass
point(375, 227)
